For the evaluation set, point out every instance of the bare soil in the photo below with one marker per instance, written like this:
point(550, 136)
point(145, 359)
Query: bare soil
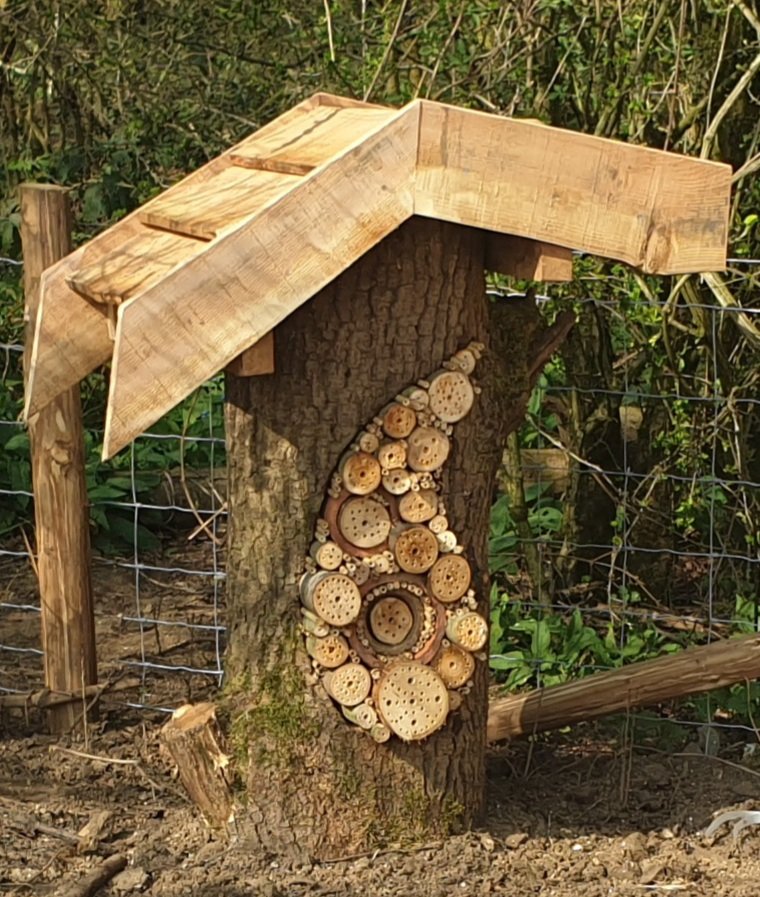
point(606, 810)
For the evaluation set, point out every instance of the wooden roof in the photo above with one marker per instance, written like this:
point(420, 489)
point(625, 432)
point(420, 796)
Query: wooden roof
point(179, 288)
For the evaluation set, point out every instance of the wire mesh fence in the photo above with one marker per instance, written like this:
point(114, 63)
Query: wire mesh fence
point(627, 522)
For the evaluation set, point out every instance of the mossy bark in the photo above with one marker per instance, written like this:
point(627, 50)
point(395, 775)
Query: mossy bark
point(315, 785)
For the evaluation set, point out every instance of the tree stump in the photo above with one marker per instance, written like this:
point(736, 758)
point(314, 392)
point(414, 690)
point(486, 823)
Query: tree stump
point(316, 785)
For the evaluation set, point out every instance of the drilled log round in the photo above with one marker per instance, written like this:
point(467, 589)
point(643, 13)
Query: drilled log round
point(380, 733)
point(468, 630)
point(399, 421)
point(427, 449)
point(438, 524)
point(391, 621)
point(362, 715)
point(349, 684)
point(454, 666)
point(392, 455)
point(397, 482)
point(449, 578)
point(412, 700)
point(328, 555)
point(451, 395)
point(361, 473)
point(330, 651)
point(418, 507)
point(416, 549)
point(364, 522)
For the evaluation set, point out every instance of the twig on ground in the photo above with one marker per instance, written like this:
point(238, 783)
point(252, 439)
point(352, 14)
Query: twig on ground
point(94, 880)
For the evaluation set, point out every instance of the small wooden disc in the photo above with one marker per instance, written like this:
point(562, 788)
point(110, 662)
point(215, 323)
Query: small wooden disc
point(330, 651)
point(418, 507)
point(416, 549)
point(399, 421)
point(412, 699)
point(397, 482)
point(451, 396)
point(336, 599)
point(449, 578)
point(427, 449)
point(364, 522)
point(391, 621)
point(328, 555)
point(392, 455)
point(361, 473)
point(349, 684)
point(438, 524)
point(454, 666)
point(468, 630)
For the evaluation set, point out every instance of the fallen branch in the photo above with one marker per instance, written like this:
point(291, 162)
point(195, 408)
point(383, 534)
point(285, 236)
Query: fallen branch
point(94, 880)
point(637, 685)
point(47, 698)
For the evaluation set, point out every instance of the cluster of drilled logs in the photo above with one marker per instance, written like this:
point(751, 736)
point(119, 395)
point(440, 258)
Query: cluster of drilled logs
point(389, 616)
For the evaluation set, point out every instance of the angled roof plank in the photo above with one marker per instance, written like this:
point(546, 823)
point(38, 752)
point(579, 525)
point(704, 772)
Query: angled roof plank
point(218, 204)
point(219, 303)
point(73, 337)
point(660, 212)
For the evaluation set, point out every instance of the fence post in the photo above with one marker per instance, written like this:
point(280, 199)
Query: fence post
point(58, 477)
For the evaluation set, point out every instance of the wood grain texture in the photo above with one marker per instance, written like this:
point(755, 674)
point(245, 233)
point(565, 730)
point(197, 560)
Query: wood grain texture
point(218, 204)
point(256, 360)
point(657, 211)
point(528, 259)
point(135, 265)
point(58, 477)
point(303, 144)
point(223, 301)
point(637, 685)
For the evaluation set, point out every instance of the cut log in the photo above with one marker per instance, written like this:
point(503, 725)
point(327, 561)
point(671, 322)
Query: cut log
point(193, 738)
point(638, 685)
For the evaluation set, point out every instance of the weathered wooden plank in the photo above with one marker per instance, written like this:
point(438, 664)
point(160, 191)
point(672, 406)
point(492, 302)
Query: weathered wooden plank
point(301, 145)
point(269, 266)
point(134, 265)
point(528, 259)
point(658, 211)
point(256, 360)
point(58, 477)
point(221, 202)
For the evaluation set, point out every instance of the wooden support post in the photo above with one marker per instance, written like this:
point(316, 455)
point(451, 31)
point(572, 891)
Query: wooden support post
point(60, 493)
point(528, 259)
point(256, 360)
point(637, 685)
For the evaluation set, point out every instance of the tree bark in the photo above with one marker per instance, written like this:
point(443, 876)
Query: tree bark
point(315, 785)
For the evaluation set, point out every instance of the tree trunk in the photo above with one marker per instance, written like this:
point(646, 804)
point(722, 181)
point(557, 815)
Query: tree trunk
point(317, 786)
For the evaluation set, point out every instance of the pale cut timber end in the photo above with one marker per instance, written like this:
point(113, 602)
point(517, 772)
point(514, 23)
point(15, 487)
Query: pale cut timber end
point(526, 259)
point(270, 265)
point(657, 211)
point(255, 361)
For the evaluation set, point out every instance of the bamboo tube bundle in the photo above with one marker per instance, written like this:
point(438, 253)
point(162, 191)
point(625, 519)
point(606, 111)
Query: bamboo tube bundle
point(387, 595)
